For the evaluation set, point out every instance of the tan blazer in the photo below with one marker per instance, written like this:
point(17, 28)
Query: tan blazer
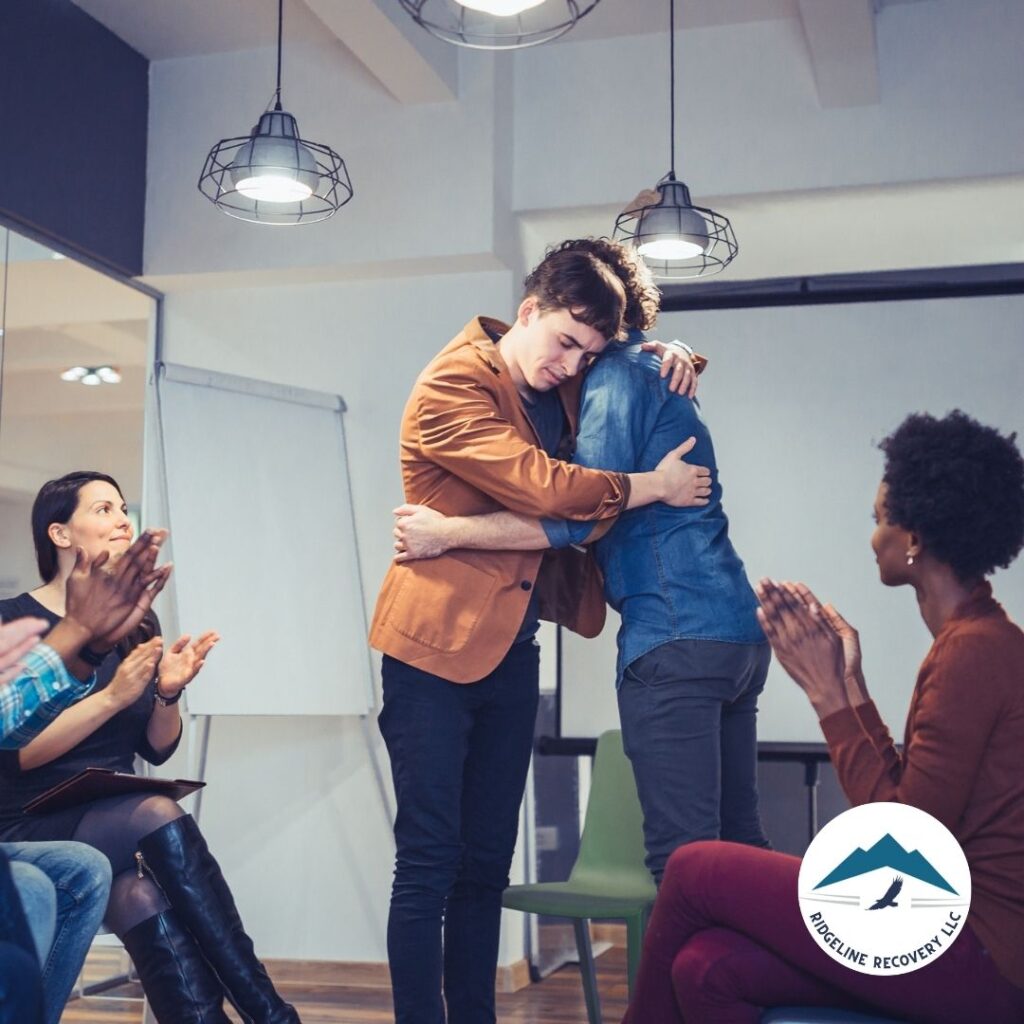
point(467, 447)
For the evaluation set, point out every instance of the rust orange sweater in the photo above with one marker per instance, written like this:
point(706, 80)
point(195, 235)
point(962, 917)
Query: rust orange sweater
point(962, 762)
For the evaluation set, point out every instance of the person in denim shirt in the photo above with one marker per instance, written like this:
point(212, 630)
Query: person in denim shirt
point(692, 658)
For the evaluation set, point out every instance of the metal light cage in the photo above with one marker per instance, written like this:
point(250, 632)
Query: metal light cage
point(333, 189)
point(455, 23)
point(674, 203)
point(671, 215)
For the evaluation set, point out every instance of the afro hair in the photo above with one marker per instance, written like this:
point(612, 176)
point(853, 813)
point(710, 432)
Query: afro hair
point(959, 485)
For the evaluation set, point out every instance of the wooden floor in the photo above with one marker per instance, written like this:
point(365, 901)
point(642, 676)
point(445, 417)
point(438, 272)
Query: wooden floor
point(558, 999)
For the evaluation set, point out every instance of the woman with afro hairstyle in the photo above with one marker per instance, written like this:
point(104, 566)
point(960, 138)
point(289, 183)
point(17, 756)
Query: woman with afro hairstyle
point(726, 937)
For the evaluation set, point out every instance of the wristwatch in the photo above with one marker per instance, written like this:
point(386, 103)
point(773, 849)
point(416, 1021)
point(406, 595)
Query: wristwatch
point(91, 657)
point(166, 702)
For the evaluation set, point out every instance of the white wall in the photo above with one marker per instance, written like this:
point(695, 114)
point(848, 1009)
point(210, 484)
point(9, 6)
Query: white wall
point(592, 117)
point(18, 572)
point(797, 399)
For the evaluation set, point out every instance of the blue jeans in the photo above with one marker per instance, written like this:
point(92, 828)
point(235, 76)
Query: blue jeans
point(38, 900)
point(689, 727)
point(459, 758)
point(20, 995)
point(63, 925)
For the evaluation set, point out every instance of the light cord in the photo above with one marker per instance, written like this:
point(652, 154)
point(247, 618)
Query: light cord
point(280, 27)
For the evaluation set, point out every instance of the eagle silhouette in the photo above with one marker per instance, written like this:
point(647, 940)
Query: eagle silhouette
point(889, 899)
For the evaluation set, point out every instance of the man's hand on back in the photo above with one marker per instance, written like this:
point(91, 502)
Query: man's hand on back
point(683, 485)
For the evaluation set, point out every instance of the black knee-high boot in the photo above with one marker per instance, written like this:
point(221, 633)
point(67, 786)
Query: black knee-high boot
point(181, 864)
point(178, 982)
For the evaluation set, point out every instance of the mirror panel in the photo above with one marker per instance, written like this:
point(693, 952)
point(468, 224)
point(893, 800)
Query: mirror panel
point(60, 315)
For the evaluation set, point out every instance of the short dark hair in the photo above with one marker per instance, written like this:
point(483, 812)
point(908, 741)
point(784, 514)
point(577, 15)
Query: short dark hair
point(56, 503)
point(959, 485)
point(602, 283)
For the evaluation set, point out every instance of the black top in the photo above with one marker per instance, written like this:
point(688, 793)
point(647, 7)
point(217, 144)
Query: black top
point(113, 745)
point(545, 411)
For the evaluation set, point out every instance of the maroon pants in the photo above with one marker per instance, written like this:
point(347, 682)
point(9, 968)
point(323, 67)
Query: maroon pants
point(726, 941)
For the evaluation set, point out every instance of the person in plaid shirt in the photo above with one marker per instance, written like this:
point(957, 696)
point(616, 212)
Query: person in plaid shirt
point(38, 689)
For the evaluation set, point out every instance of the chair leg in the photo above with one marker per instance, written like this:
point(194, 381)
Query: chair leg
point(587, 971)
point(635, 927)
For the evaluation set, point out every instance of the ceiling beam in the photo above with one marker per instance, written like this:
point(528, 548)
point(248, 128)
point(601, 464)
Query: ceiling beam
point(840, 38)
point(410, 63)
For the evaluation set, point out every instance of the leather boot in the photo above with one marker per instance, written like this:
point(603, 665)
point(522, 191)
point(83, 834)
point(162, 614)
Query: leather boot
point(178, 982)
point(180, 862)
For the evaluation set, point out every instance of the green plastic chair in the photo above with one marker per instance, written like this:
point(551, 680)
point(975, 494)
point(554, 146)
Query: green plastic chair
point(609, 879)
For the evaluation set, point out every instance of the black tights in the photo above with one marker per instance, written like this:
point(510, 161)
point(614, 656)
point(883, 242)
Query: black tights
point(114, 827)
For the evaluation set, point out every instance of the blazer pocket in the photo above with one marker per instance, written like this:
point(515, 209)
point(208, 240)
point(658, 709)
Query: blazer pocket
point(440, 601)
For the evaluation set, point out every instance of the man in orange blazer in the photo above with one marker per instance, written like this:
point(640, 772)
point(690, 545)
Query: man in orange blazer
point(488, 426)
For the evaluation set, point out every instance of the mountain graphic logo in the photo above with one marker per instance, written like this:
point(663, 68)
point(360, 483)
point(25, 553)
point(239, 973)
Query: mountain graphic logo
point(884, 906)
point(886, 853)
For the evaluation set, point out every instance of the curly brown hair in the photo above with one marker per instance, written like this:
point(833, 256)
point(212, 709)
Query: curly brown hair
point(642, 296)
point(597, 260)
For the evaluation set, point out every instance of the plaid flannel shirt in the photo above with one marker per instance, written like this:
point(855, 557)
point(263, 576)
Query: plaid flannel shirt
point(41, 691)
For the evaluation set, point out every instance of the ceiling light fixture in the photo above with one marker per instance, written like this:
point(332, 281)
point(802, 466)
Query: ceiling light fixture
point(498, 24)
point(272, 175)
point(676, 239)
point(92, 376)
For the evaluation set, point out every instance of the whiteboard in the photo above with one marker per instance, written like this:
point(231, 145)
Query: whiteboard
point(797, 399)
point(264, 545)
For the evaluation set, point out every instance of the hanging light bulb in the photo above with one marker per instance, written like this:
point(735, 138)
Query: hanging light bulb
point(500, 8)
point(671, 229)
point(272, 175)
point(497, 24)
point(274, 166)
point(676, 239)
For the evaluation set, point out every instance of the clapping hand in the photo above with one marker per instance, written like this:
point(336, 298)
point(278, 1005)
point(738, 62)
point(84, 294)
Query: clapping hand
point(846, 633)
point(108, 602)
point(182, 662)
point(134, 673)
point(807, 645)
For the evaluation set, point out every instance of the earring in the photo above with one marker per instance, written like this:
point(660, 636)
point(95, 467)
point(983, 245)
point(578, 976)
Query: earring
point(910, 558)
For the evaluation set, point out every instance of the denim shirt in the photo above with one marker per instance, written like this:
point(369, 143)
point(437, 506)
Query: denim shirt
point(671, 573)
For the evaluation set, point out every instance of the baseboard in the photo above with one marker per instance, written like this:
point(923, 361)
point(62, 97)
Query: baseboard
point(513, 977)
point(355, 973)
point(606, 931)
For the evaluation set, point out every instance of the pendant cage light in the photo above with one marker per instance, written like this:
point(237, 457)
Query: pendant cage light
point(273, 175)
point(498, 24)
point(676, 239)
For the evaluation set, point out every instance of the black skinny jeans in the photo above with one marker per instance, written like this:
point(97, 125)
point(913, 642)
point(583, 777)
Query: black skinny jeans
point(459, 758)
